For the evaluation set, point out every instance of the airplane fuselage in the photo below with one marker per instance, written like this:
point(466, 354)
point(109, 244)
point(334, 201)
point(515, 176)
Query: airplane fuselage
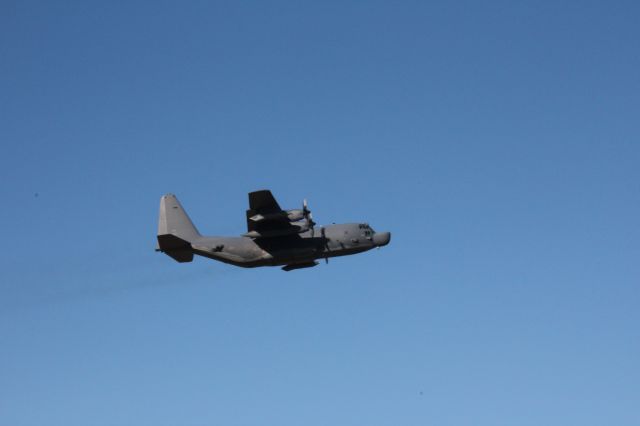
point(321, 243)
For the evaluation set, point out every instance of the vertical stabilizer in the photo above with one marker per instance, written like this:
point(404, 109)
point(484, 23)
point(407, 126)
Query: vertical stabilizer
point(175, 230)
point(174, 220)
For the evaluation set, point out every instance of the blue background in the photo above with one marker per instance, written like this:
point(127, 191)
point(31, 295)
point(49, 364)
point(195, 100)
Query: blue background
point(498, 141)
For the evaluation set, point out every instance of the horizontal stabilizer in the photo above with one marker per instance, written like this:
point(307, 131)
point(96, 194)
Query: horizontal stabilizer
point(175, 247)
point(182, 256)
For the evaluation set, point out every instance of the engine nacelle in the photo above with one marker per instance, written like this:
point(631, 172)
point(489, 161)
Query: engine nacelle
point(295, 215)
point(290, 215)
point(295, 228)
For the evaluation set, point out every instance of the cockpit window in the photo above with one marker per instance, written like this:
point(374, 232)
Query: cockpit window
point(366, 228)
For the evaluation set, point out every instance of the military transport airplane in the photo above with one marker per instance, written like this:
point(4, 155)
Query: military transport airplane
point(274, 236)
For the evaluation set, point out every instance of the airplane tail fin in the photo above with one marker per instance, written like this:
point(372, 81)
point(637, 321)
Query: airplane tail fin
point(175, 230)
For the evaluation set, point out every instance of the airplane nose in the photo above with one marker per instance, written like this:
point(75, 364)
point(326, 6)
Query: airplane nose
point(381, 238)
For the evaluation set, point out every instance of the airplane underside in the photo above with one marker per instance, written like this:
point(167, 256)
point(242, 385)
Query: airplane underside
point(288, 262)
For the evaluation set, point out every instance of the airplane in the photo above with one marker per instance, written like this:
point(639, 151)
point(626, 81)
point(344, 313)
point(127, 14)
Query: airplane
point(274, 237)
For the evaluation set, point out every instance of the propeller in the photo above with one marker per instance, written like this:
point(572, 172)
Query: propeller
point(306, 213)
point(326, 244)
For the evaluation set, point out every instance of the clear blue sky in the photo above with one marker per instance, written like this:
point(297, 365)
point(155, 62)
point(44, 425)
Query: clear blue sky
point(499, 142)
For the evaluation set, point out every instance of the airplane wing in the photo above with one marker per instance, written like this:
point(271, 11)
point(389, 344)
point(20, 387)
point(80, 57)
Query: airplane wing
point(265, 217)
point(263, 202)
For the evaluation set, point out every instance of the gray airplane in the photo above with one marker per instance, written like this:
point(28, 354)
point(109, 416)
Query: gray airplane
point(274, 236)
